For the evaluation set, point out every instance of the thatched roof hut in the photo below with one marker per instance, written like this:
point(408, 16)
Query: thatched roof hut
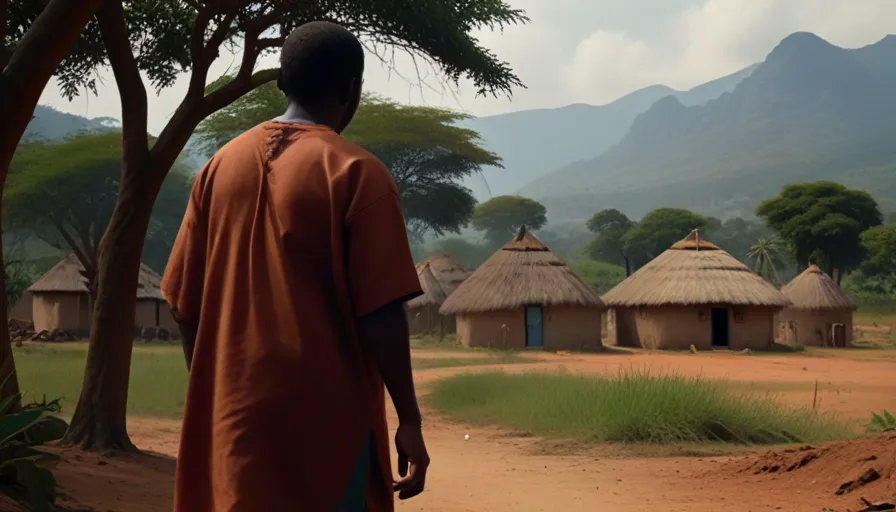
point(820, 314)
point(695, 293)
point(60, 299)
point(525, 295)
point(439, 276)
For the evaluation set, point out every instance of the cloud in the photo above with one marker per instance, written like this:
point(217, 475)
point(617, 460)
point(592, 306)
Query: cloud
point(712, 38)
point(588, 51)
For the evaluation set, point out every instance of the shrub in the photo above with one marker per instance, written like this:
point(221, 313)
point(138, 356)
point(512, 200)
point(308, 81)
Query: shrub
point(883, 422)
point(25, 472)
point(632, 406)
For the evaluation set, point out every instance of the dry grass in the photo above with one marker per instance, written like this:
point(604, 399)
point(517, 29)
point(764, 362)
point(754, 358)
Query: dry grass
point(813, 290)
point(684, 276)
point(522, 272)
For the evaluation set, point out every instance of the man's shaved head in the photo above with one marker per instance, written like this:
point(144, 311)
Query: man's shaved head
point(320, 61)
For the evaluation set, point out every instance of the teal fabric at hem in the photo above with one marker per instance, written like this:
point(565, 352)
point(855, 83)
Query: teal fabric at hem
point(356, 493)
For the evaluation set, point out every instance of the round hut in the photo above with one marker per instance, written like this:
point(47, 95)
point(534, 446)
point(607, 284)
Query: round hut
point(60, 300)
point(821, 312)
point(694, 293)
point(523, 296)
point(439, 276)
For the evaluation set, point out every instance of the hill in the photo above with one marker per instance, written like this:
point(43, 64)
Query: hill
point(810, 111)
point(534, 142)
point(51, 124)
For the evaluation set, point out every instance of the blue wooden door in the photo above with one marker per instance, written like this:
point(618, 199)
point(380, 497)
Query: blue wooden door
point(534, 327)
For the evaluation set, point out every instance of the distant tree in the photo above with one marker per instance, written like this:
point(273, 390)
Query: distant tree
point(64, 193)
point(610, 245)
point(470, 254)
point(821, 223)
point(599, 275)
point(880, 260)
point(659, 229)
point(426, 151)
point(765, 253)
point(501, 217)
point(18, 272)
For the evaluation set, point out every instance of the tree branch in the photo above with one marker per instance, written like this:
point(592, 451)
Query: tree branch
point(70, 240)
point(134, 109)
point(235, 89)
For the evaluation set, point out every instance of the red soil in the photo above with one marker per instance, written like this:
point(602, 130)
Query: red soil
point(493, 471)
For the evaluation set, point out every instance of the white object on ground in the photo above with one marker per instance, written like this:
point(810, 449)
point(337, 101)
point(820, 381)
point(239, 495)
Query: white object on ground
point(466, 437)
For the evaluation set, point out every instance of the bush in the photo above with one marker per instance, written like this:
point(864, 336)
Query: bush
point(883, 422)
point(630, 407)
point(25, 472)
point(599, 275)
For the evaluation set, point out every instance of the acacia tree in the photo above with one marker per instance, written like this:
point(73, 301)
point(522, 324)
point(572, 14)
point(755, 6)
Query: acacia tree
point(31, 47)
point(164, 39)
point(822, 223)
point(64, 194)
point(501, 217)
point(661, 228)
point(424, 149)
point(609, 245)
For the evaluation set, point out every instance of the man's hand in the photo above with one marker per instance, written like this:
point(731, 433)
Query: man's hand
point(413, 461)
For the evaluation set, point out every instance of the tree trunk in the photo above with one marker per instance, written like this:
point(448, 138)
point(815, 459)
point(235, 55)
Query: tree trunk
point(99, 422)
point(628, 266)
point(7, 362)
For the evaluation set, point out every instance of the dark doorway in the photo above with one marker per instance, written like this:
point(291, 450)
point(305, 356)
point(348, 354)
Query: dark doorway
point(720, 332)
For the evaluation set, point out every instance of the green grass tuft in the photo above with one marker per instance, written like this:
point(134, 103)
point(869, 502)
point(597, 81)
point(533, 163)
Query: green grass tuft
point(631, 407)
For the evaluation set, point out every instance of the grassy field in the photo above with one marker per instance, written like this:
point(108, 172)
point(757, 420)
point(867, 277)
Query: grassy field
point(631, 407)
point(158, 374)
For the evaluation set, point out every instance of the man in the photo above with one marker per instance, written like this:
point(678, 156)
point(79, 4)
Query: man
point(288, 277)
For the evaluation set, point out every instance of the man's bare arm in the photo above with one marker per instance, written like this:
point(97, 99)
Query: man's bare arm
point(384, 335)
point(188, 329)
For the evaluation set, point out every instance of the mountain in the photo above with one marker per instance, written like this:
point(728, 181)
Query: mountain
point(810, 111)
point(534, 142)
point(51, 124)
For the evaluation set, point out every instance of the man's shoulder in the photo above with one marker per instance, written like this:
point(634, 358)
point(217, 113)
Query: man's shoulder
point(349, 149)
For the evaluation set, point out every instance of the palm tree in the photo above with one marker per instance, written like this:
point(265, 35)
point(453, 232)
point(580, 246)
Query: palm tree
point(766, 253)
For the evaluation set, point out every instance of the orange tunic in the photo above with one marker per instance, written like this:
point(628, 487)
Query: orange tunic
point(291, 233)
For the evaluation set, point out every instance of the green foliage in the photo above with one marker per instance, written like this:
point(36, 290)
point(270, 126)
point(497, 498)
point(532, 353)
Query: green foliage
point(879, 243)
point(470, 254)
point(883, 422)
point(501, 217)
point(822, 222)
point(424, 148)
point(632, 406)
point(610, 245)
point(766, 253)
point(437, 30)
point(25, 472)
point(64, 193)
point(599, 275)
point(661, 228)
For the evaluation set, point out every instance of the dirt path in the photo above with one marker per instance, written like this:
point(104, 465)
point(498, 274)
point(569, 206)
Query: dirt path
point(493, 471)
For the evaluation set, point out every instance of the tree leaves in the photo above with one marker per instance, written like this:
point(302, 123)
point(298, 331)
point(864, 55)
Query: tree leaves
point(501, 217)
point(822, 223)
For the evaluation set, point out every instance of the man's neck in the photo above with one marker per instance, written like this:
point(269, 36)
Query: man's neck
point(295, 114)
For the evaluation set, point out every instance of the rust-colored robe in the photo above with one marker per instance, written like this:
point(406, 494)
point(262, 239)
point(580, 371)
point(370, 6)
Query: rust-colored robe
point(291, 233)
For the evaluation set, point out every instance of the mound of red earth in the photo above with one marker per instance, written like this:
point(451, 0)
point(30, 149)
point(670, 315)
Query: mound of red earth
point(861, 472)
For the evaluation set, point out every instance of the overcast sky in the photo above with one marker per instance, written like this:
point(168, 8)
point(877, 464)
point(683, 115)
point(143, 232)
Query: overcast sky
point(590, 51)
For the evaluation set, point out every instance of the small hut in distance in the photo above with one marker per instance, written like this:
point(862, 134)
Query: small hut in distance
point(694, 293)
point(525, 296)
point(60, 300)
point(439, 276)
point(821, 314)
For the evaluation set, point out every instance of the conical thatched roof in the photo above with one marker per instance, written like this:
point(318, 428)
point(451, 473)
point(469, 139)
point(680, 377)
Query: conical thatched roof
point(65, 277)
point(813, 290)
point(691, 272)
point(523, 272)
point(439, 276)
